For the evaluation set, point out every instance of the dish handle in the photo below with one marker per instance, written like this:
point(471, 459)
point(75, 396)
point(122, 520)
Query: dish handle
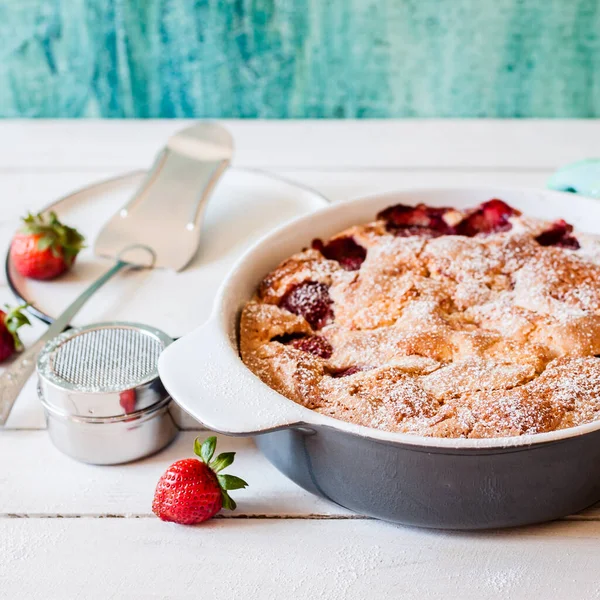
point(205, 376)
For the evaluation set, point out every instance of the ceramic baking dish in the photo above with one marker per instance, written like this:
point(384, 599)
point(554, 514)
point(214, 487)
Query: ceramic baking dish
point(429, 482)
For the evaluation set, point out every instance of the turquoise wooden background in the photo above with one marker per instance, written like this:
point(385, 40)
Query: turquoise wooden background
point(300, 58)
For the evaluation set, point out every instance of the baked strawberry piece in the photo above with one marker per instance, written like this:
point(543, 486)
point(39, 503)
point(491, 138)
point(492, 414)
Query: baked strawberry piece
point(422, 220)
point(559, 235)
point(313, 344)
point(309, 299)
point(350, 371)
point(490, 217)
point(344, 250)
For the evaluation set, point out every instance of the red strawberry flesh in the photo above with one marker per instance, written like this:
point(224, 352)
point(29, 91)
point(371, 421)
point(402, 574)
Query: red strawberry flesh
point(193, 490)
point(187, 493)
point(31, 262)
point(44, 247)
point(314, 344)
point(344, 250)
point(559, 235)
point(350, 371)
point(425, 232)
point(310, 300)
point(422, 220)
point(490, 217)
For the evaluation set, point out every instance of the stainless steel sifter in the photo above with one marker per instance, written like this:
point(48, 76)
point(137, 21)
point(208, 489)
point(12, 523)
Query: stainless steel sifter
point(159, 227)
point(103, 399)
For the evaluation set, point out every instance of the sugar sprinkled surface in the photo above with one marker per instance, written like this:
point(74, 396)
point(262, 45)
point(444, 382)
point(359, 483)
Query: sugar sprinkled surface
point(452, 336)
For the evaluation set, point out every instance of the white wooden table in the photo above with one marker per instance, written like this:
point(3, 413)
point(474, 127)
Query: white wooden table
point(69, 530)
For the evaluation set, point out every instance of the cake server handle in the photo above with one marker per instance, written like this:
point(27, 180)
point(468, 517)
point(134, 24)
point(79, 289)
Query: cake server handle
point(16, 375)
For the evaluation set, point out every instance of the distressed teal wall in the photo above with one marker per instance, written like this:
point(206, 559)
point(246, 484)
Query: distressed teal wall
point(300, 58)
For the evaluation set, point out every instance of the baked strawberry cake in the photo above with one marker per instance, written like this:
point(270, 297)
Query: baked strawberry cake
point(436, 322)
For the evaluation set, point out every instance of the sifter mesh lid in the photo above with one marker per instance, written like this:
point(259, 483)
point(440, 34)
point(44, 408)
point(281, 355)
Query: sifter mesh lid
point(103, 358)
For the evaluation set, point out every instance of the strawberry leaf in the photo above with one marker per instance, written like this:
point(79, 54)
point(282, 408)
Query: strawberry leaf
point(62, 240)
point(231, 482)
point(13, 319)
point(227, 501)
point(44, 243)
point(198, 447)
point(206, 449)
point(222, 461)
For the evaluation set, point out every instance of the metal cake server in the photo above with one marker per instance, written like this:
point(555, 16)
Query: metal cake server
point(159, 227)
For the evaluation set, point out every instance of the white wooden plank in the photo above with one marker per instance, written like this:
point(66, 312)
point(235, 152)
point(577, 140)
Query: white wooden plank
point(27, 413)
point(265, 559)
point(35, 478)
point(256, 558)
point(31, 190)
point(126, 490)
point(93, 144)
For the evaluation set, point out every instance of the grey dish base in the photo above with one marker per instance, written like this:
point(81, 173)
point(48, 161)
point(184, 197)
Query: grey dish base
point(441, 488)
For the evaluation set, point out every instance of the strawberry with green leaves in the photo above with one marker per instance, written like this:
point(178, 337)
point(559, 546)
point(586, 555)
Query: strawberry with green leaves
point(44, 247)
point(192, 490)
point(10, 322)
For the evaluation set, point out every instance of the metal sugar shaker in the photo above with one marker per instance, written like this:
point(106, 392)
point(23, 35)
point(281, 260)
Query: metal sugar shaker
point(103, 399)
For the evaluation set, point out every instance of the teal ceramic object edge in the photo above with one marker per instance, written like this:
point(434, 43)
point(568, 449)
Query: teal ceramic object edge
point(581, 177)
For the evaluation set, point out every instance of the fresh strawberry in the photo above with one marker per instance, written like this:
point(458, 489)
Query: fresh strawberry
point(192, 490)
point(44, 247)
point(10, 321)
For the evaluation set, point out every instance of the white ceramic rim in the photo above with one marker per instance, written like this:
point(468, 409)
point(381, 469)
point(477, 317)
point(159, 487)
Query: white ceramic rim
point(221, 322)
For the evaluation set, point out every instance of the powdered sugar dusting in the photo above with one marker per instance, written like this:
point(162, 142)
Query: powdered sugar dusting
point(451, 336)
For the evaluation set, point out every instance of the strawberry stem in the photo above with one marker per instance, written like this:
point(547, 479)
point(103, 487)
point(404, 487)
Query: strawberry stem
point(61, 239)
point(205, 451)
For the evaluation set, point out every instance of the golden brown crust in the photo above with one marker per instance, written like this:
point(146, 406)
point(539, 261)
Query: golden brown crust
point(452, 336)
